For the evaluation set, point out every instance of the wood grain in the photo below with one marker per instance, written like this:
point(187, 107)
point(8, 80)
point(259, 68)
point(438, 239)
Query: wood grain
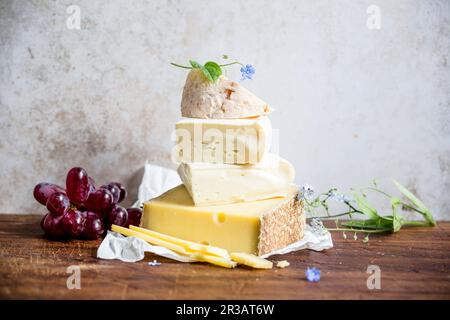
point(415, 264)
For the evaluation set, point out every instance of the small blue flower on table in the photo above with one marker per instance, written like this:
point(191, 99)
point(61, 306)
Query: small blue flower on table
point(247, 72)
point(154, 263)
point(312, 274)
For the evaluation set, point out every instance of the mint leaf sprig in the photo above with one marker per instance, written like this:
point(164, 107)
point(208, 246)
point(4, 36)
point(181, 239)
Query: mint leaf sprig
point(213, 70)
point(357, 204)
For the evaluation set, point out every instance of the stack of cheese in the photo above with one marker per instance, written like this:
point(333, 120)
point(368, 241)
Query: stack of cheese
point(235, 195)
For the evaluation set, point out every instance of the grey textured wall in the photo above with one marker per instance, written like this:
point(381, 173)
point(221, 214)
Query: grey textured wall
point(351, 103)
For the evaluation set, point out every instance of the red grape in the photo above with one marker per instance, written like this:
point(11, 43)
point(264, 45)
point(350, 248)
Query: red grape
point(100, 215)
point(99, 201)
point(118, 216)
point(52, 226)
point(81, 209)
point(123, 191)
point(58, 203)
point(91, 185)
point(44, 190)
point(77, 185)
point(93, 226)
point(134, 217)
point(83, 214)
point(115, 191)
point(72, 222)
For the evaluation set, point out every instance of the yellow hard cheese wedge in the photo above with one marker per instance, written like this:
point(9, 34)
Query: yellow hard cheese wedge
point(257, 227)
point(251, 260)
point(188, 245)
point(150, 239)
point(226, 263)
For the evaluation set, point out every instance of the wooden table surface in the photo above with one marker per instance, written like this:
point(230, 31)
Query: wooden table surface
point(414, 264)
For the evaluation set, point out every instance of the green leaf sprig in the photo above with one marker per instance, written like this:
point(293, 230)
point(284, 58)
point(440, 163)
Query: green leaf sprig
point(211, 69)
point(357, 204)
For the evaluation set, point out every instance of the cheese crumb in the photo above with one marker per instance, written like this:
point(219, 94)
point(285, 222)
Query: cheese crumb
point(283, 264)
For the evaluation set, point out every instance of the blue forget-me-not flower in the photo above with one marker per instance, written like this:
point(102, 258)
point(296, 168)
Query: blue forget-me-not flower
point(312, 274)
point(247, 72)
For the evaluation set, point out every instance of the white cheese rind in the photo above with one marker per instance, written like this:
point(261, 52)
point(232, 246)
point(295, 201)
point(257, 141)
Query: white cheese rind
point(213, 184)
point(237, 141)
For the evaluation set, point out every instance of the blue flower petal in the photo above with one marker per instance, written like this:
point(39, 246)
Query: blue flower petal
point(312, 274)
point(247, 71)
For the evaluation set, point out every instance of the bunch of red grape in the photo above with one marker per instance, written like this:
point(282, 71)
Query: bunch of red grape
point(82, 210)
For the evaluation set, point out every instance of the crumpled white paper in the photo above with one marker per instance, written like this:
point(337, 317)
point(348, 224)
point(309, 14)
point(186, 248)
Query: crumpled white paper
point(132, 249)
point(157, 180)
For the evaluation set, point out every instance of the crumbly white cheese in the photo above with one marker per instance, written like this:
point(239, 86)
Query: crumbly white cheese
point(223, 99)
point(283, 264)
